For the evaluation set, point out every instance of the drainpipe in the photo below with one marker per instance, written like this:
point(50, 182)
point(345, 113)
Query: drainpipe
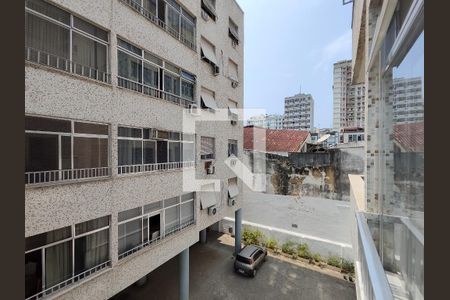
point(237, 230)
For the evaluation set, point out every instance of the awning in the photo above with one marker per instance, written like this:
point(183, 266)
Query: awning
point(208, 51)
point(208, 199)
point(208, 100)
point(234, 33)
point(234, 114)
point(233, 190)
point(208, 6)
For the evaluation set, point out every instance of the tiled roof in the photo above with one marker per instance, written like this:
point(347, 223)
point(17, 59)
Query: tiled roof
point(410, 136)
point(276, 140)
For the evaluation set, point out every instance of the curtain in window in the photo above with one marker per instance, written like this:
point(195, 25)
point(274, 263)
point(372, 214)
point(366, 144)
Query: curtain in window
point(89, 53)
point(187, 90)
point(173, 19)
point(46, 36)
point(150, 6)
point(150, 75)
point(58, 263)
point(187, 30)
point(130, 235)
point(171, 84)
point(130, 67)
point(90, 152)
point(91, 250)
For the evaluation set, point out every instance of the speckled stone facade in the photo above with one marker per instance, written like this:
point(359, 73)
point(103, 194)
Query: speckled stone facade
point(53, 93)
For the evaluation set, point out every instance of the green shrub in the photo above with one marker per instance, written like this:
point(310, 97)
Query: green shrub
point(254, 237)
point(288, 247)
point(317, 257)
point(294, 256)
point(271, 244)
point(303, 251)
point(348, 266)
point(334, 261)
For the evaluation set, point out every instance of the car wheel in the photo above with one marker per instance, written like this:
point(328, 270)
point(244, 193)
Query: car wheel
point(253, 273)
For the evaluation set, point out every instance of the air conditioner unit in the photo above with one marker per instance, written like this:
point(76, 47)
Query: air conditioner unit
point(205, 16)
point(231, 201)
point(233, 122)
point(216, 70)
point(234, 84)
point(210, 170)
point(193, 109)
point(212, 210)
point(234, 43)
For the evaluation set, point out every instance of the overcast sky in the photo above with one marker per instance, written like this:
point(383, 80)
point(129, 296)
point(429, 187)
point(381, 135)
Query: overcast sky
point(293, 43)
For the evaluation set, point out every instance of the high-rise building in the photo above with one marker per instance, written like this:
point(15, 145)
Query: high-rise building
point(389, 198)
point(299, 112)
point(348, 98)
point(107, 84)
point(267, 121)
point(408, 100)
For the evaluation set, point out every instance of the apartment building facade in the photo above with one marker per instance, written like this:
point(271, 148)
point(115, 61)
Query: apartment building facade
point(348, 98)
point(388, 53)
point(299, 112)
point(107, 84)
point(267, 121)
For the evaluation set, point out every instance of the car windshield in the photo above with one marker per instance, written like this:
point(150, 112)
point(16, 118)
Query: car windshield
point(243, 259)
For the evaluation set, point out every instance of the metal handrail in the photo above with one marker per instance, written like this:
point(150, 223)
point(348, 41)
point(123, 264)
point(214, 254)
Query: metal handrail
point(152, 91)
point(64, 64)
point(71, 280)
point(144, 168)
point(378, 282)
point(65, 175)
point(150, 16)
point(157, 240)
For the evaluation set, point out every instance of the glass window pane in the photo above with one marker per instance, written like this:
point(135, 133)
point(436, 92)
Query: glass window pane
point(91, 128)
point(33, 273)
point(88, 53)
point(130, 67)
point(130, 235)
point(174, 152)
point(129, 152)
point(45, 238)
point(153, 59)
point(91, 29)
point(150, 75)
point(187, 90)
point(171, 201)
point(153, 207)
point(145, 230)
point(130, 132)
point(172, 218)
point(66, 152)
point(129, 47)
point(91, 250)
point(91, 225)
point(58, 263)
point(46, 36)
point(187, 30)
point(150, 6)
point(162, 151)
point(187, 197)
point(41, 152)
point(129, 214)
point(187, 212)
point(173, 19)
point(171, 84)
point(49, 10)
point(47, 124)
point(90, 152)
point(149, 152)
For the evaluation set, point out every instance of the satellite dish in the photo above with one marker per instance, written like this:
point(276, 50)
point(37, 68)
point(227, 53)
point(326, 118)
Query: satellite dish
point(323, 138)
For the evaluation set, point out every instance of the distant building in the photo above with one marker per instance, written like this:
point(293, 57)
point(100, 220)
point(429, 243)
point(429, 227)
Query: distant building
point(274, 141)
point(348, 99)
point(331, 141)
point(267, 121)
point(351, 135)
point(408, 100)
point(299, 112)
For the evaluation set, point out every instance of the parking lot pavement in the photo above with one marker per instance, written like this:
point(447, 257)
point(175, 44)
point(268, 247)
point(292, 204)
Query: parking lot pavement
point(212, 277)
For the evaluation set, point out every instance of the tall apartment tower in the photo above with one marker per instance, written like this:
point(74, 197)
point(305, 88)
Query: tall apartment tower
point(107, 84)
point(408, 106)
point(299, 112)
point(348, 99)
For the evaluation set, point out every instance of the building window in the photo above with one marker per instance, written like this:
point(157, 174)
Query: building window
point(233, 72)
point(61, 150)
point(208, 54)
point(143, 72)
point(147, 149)
point(207, 147)
point(57, 258)
point(208, 100)
point(233, 32)
point(142, 226)
point(170, 16)
point(209, 7)
point(232, 148)
point(55, 38)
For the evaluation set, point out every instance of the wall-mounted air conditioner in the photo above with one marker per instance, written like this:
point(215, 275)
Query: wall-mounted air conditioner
point(193, 109)
point(233, 43)
point(234, 84)
point(212, 210)
point(210, 170)
point(231, 201)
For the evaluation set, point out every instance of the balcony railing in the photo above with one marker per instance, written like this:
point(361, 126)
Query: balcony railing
point(69, 281)
point(66, 175)
point(153, 92)
point(64, 64)
point(154, 167)
point(155, 20)
point(157, 240)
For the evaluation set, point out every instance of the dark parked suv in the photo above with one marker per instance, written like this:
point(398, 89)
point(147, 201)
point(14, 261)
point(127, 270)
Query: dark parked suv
point(249, 260)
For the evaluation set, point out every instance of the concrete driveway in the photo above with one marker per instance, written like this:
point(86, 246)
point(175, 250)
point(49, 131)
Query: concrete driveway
point(212, 277)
